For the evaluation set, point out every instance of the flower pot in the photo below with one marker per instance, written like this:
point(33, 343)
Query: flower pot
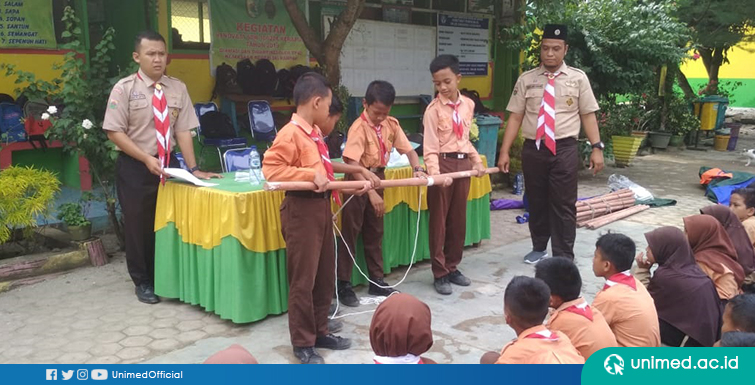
point(659, 139)
point(80, 233)
point(625, 149)
point(676, 141)
point(721, 142)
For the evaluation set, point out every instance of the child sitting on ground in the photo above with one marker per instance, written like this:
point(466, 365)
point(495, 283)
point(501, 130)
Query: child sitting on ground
point(525, 306)
point(625, 303)
point(737, 340)
point(585, 326)
point(742, 204)
point(400, 331)
point(739, 314)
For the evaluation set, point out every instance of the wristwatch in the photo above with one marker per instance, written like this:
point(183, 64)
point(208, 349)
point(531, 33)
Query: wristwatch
point(195, 168)
point(600, 146)
point(420, 168)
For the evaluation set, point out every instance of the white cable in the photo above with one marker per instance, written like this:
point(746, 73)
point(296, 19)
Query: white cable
point(411, 262)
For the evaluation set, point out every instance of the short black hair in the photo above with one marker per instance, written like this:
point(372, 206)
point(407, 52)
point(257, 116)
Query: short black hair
point(310, 85)
point(617, 249)
point(445, 61)
point(527, 299)
point(336, 107)
point(380, 91)
point(149, 35)
point(748, 194)
point(738, 340)
point(562, 277)
point(743, 312)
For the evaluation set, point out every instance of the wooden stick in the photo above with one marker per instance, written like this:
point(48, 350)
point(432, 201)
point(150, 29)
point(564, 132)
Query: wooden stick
point(441, 180)
point(604, 220)
point(614, 206)
point(96, 250)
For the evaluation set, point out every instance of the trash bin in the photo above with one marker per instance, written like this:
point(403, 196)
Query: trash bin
point(711, 110)
point(733, 135)
point(488, 142)
point(721, 142)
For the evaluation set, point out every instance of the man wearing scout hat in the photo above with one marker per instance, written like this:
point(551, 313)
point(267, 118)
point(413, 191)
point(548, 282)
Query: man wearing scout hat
point(550, 103)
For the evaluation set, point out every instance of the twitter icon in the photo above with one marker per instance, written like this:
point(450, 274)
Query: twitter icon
point(67, 375)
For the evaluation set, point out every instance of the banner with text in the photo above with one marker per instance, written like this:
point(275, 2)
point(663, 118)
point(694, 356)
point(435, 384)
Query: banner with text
point(248, 29)
point(27, 24)
point(467, 38)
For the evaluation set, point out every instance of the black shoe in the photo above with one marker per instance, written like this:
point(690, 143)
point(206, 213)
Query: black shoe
point(457, 278)
point(308, 355)
point(346, 294)
point(334, 326)
point(145, 293)
point(443, 286)
point(380, 291)
point(533, 257)
point(332, 342)
point(332, 310)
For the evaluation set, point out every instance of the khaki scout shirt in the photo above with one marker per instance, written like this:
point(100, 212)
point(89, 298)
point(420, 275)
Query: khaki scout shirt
point(574, 97)
point(363, 146)
point(129, 110)
point(439, 132)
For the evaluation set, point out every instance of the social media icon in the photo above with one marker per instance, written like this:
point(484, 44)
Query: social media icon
point(67, 374)
point(99, 374)
point(51, 375)
point(82, 374)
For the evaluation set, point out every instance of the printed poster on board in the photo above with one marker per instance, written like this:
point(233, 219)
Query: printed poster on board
point(27, 24)
point(468, 38)
point(254, 29)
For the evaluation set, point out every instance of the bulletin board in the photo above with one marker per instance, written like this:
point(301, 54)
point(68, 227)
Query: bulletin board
point(398, 53)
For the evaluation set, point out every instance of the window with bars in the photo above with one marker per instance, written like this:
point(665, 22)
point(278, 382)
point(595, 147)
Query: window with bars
point(190, 22)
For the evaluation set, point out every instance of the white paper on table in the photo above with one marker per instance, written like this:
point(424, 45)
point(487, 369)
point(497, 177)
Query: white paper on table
point(187, 176)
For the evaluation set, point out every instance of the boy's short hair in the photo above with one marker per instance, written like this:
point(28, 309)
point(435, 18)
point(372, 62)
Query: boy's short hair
point(618, 249)
point(336, 107)
point(562, 277)
point(149, 35)
point(738, 340)
point(310, 85)
point(445, 61)
point(527, 299)
point(380, 91)
point(743, 312)
point(748, 194)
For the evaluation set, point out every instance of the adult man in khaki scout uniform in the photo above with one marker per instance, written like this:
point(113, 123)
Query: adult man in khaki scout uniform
point(549, 103)
point(131, 120)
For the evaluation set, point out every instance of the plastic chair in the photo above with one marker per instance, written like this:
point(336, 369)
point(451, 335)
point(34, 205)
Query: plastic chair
point(220, 145)
point(237, 159)
point(261, 121)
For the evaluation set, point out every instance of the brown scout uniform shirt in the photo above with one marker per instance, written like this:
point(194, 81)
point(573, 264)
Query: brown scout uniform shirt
point(439, 132)
point(587, 336)
point(574, 97)
point(129, 110)
point(540, 351)
point(363, 146)
point(294, 155)
point(631, 315)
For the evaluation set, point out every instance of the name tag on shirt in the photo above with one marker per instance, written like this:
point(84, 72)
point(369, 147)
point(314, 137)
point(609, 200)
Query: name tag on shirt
point(535, 85)
point(137, 96)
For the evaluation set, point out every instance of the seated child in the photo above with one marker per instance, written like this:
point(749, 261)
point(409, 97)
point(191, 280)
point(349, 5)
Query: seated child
point(525, 306)
point(625, 303)
point(742, 204)
point(737, 340)
point(400, 331)
point(715, 254)
point(585, 326)
point(689, 311)
point(234, 354)
point(739, 315)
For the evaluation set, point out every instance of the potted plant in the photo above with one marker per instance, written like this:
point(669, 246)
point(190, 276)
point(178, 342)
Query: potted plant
point(680, 121)
point(74, 215)
point(617, 122)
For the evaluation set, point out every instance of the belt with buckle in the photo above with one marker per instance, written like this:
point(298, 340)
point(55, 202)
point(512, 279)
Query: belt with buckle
point(454, 155)
point(308, 194)
point(376, 169)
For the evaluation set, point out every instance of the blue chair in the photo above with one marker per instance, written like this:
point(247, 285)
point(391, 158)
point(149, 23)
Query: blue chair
point(237, 159)
point(261, 121)
point(220, 145)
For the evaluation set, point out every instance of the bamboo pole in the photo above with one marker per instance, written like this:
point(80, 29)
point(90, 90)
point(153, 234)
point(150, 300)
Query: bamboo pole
point(606, 219)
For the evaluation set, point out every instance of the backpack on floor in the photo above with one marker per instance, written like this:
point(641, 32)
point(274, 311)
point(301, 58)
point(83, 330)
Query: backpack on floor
point(11, 123)
point(225, 81)
point(216, 125)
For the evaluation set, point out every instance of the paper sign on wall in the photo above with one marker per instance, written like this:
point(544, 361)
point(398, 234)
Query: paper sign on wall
point(468, 38)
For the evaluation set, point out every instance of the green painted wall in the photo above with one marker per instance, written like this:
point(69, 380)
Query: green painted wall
point(66, 167)
point(743, 96)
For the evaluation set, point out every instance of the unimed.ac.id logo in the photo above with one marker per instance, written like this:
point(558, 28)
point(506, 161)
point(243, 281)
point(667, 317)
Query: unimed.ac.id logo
point(99, 374)
point(614, 365)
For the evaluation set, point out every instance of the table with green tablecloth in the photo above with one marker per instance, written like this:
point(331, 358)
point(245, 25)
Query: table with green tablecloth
point(221, 247)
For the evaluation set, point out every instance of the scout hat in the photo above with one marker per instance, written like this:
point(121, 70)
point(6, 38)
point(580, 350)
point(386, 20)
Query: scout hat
point(555, 31)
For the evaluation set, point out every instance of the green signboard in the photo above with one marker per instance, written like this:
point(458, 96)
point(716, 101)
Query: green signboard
point(27, 24)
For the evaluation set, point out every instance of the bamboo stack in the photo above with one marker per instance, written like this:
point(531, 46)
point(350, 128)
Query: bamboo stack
point(600, 211)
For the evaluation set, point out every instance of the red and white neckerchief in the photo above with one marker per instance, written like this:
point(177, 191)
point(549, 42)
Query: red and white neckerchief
point(546, 118)
point(379, 131)
point(407, 359)
point(322, 148)
point(544, 334)
point(162, 124)
point(582, 309)
point(624, 278)
point(458, 125)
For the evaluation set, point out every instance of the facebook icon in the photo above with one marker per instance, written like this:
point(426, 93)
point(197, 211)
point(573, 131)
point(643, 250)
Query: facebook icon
point(52, 374)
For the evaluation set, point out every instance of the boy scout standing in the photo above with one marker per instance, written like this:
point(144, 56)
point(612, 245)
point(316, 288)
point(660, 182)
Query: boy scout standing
point(148, 113)
point(549, 103)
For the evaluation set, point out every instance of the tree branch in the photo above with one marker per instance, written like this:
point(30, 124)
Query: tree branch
point(343, 24)
point(308, 35)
